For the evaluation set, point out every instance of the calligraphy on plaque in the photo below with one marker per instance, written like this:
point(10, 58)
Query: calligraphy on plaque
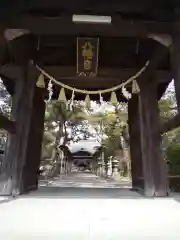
point(87, 56)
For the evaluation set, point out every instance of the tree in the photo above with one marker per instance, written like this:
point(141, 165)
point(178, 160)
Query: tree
point(5, 110)
point(111, 129)
point(58, 121)
point(173, 156)
point(5, 101)
point(171, 139)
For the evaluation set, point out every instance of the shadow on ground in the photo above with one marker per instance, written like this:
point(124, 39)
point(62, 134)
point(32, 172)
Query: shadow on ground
point(6, 199)
point(80, 193)
point(175, 196)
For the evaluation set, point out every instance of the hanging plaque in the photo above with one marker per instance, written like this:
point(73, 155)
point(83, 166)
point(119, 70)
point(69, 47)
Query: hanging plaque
point(87, 56)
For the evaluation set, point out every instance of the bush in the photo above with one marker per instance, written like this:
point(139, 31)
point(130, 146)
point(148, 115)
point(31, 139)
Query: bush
point(173, 158)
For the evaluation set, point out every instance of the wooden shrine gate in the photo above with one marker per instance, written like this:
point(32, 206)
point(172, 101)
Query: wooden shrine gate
point(45, 33)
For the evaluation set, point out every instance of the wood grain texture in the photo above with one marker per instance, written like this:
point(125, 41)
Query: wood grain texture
point(154, 166)
point(135, 143)
point(11, 179)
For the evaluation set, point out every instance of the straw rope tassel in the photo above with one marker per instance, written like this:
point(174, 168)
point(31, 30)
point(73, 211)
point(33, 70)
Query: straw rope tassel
point(113, 100)
point(40, 81)
point(87, 102)
point(62, 96)
point(135, 87)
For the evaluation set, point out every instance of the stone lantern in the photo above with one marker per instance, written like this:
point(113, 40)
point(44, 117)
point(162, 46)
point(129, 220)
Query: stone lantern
point(115, 173)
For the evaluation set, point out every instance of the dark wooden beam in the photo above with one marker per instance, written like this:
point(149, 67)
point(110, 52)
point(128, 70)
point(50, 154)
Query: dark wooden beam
point(103, 6)
point(157, 10)
point(21, 49)
point(106, 76)
point(64, 26)
point(160, 53)
point(7, 124)
point(78, 5)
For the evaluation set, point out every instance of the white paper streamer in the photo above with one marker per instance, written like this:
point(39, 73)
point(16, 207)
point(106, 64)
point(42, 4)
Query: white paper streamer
point(50, 90)
point(101, 99)
point(71, 101)
point(125, 93)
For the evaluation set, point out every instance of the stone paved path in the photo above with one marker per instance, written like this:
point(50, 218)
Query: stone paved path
point(54, 213)
point(86, 180)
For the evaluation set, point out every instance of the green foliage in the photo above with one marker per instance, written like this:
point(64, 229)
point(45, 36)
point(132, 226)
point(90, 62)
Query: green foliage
point(173, 157)
point(109, 126)
point(58, 118)
point(5, 109)
point(165, 106)
point(3, 139)
point(170, 140)
point(5, 101)
point(113, 141)
point(106, 126)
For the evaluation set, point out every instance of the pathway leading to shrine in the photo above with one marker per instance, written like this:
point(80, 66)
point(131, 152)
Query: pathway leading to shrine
point(71, 213)
point(85, 180)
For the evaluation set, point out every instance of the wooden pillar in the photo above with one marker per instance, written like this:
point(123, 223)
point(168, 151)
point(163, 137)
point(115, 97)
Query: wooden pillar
point(22, 155)
point(33, 153)
point(175, 62)
point(154, 166)
point(135, 143)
